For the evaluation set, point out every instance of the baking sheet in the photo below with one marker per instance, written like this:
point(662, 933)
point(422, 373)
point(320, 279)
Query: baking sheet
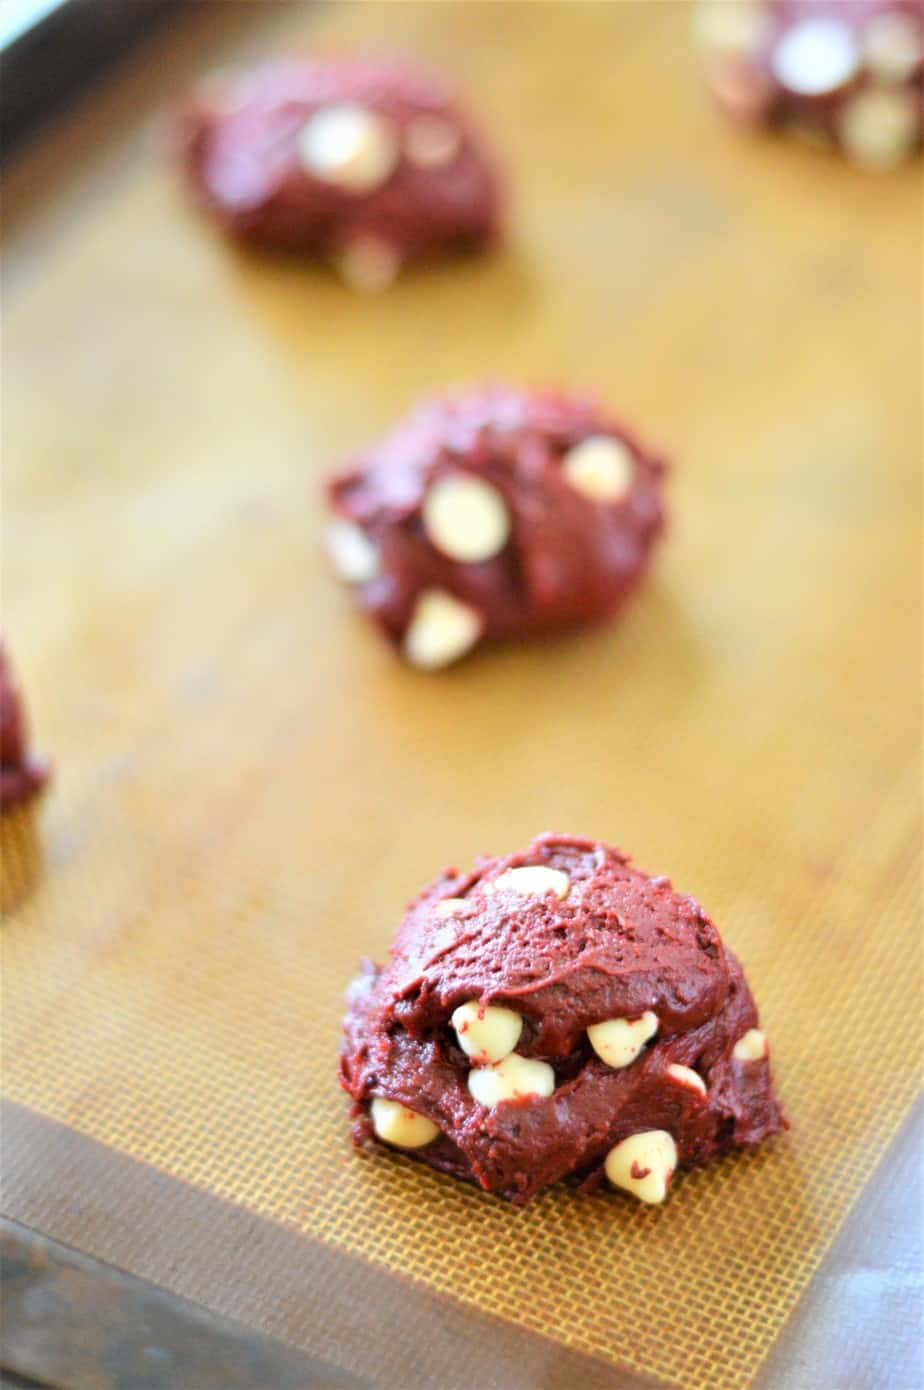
point(249, 787)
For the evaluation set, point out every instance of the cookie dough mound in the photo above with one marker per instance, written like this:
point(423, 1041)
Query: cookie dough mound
point(557, 1014)
point(831, 72)
point(495, 512)
point(21, 773)
point(366, 161)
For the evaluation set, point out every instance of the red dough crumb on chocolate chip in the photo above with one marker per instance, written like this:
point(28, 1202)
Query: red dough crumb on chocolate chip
point(491, 513)
point(830, 72)
point(557, 1014)
point(368, 161)
point(22, 774)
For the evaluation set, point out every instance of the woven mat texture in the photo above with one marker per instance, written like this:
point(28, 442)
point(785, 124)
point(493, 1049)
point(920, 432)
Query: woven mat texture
point(248, 785)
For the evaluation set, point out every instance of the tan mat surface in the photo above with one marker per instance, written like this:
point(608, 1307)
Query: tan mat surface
point(249, 786)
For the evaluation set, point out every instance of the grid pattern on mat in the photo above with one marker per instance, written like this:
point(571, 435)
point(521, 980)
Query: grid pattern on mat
point(249, 787)
point(192, 1043)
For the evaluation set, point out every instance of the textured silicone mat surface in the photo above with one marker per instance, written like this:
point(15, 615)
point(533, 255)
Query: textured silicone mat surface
point(249, 786)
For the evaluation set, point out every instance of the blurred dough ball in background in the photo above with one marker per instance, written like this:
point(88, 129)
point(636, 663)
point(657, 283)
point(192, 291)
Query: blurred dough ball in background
point(839, 74)
point(366, 161)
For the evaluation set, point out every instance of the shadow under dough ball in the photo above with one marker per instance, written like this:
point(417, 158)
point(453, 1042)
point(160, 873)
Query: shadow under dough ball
point(368, 162)
point(557, 1014)
point(832, 72)
point(491, 513)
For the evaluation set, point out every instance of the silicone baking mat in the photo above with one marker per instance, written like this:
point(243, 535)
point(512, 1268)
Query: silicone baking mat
point(249, 786)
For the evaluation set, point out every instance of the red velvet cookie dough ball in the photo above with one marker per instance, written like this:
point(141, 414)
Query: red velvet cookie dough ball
point(553, 1014)
point(845, 73)
point(369, 162)
point(22, 774)
point(495, 512)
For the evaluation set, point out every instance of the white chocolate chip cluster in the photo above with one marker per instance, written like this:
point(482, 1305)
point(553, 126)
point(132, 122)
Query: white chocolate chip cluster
point(488, 1033)
point(464, 518)
point(467, 520)
point(643, 1163)
point(358, 150)
point(492, 512)
point(847, 78)
point(484, 1029)
point(366, 161)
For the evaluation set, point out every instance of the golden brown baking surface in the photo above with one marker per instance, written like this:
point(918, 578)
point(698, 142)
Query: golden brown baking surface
point(249, 786)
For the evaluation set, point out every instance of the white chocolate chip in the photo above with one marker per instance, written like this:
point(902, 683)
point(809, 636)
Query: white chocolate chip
point(396, 1124)
point(350, 146)
point(643, 1164)
point(879, 127)
point(368, 264)
point(618, 1041)
point(532, 880)
point(486, 1034)
point(601, 467)
point(816, 56)
point(686, 1076)
point(893, 45)
point(514, 1077)
point(751, 1047)
point(449, 907)
point(730, 26)
point(465, 518)
point(353, 555)
point(441, 630)
point(431, 142)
